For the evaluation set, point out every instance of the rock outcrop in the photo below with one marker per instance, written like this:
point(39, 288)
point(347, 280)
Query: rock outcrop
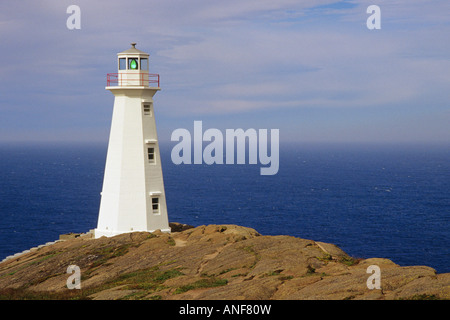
point(210, 262)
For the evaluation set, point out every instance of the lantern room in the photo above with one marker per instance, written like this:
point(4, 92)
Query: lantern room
point(133, 69)
point(133, 60)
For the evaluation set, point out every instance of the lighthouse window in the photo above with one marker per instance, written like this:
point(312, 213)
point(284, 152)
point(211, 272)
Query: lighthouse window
point(147, 110)
point(122, 63)
point(155, 205)
point(151, 155)
point(132, 63)
point(144, 64)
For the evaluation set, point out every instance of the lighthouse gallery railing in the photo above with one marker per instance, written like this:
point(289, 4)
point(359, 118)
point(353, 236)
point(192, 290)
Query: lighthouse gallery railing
point(132, 79)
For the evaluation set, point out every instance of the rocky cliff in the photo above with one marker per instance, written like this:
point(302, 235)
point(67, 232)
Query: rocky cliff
point(209, 262)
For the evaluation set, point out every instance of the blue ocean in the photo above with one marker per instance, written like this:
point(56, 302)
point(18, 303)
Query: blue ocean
point(389, 201)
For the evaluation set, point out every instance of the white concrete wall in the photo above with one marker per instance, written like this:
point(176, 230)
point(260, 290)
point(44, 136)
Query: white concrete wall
point(154, 181)
point(129, 178)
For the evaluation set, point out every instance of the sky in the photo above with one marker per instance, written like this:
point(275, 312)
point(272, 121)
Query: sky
point(311, 68)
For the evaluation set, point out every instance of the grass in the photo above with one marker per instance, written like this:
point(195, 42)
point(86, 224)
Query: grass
point(46, 257)
point(274, 273)
point(145, 281)
point(226, 270)
point(148, 279)
point(171, 241)
point(325, 258)
point(23, 294)
point(239, 275)
point(104, 255)
point(423, 297)
point(349, 261)
point(202, 283)
point(251, 250)
point(310, 270)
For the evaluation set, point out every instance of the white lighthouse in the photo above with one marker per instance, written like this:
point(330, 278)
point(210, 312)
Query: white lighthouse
point(133, 197)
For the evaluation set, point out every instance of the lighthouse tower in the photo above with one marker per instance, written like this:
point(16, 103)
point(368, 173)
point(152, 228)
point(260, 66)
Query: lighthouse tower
point(133, 197)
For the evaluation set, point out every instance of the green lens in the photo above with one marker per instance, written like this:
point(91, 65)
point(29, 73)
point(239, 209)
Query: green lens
point(133, 64)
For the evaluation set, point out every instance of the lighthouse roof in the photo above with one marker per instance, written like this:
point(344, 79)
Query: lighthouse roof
point(133, 50)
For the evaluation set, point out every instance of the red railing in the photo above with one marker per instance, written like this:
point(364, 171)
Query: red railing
point(132, 79)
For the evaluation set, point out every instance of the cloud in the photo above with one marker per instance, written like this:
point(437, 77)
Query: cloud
point(226, 57)
point(305, 68)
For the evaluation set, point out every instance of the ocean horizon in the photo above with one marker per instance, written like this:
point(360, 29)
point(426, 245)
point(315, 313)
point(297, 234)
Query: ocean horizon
point(372, 200)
